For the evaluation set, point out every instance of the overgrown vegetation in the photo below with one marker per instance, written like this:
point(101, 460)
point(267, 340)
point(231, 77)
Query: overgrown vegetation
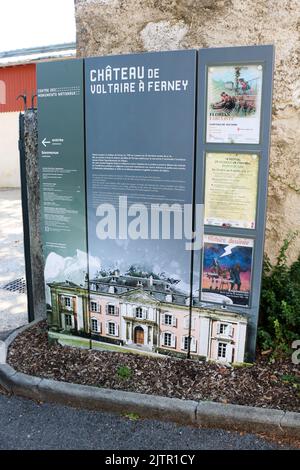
point(280, 302)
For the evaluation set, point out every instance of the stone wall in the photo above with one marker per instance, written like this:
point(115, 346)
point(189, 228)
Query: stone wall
point(122, 26)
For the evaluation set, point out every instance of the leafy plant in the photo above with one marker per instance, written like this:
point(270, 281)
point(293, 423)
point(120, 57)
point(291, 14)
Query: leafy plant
point(280, 302)
point(124, 372)
point(131, 416)
point(291, 379)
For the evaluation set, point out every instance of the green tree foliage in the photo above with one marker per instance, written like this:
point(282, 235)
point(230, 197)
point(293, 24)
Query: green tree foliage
point(280, 302)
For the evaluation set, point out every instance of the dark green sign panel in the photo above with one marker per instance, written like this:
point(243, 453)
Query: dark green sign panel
point(62, 170)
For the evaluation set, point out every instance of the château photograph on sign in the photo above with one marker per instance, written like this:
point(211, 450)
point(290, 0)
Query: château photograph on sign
point(234, 104)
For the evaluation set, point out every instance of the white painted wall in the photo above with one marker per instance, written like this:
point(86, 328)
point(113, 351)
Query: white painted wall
point(9, 152)
point(241, 340)
point(79, 313)
point(204, 336)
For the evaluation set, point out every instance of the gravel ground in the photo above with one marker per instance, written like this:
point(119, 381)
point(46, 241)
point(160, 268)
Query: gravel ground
point(265, 385)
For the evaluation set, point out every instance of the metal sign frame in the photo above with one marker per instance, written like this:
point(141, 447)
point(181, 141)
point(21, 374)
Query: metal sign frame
point(263, 55)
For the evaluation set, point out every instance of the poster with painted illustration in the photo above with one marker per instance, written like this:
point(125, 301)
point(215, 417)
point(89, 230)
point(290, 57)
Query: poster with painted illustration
point(231, 189)
point(227, 265)
point(234, 104)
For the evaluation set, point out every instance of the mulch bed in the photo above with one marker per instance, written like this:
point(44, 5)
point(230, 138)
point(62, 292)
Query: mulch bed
point(264, 384)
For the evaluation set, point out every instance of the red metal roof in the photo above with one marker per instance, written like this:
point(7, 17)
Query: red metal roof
point(14, 81)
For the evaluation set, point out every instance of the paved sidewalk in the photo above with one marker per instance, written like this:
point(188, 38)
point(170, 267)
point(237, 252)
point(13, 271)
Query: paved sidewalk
point(13, 305)
point(28, 425)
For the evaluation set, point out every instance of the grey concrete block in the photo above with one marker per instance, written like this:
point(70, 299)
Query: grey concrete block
point(239, 418)
point(2, 352)
point(25, 385)
point(6, 374)
point(290, 424)
point(183, 411)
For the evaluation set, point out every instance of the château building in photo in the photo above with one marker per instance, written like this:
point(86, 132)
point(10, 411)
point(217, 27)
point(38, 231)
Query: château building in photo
point(146, 313)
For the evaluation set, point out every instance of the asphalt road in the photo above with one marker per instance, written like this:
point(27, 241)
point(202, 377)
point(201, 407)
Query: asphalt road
point(27, 425)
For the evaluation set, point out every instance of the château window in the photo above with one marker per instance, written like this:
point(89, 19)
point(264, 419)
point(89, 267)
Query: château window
point(185, 343)
point(222, 350)
point(67, 301)
point(223, 329)
point(111, 328)
point(139, 312)
point(168, 319)
point(111, 310)
point(68, 321)
point(167, 339)
point(94, 325)
point(94, 306)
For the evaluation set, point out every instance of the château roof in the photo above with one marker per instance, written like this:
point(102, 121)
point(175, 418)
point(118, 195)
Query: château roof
point(161, 290)
point(157, 289)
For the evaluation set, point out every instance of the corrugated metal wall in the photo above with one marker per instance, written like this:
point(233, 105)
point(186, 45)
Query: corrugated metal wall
point(14, 81)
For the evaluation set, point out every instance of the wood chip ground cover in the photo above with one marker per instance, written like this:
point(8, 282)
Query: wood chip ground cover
point(265, 385)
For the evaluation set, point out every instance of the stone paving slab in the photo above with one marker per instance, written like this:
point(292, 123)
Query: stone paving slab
point(13, 305)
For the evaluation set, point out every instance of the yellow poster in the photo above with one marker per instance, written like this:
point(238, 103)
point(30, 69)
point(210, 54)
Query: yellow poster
point(231, 189)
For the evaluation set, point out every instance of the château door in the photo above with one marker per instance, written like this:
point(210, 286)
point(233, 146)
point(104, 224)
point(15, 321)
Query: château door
point(139, 335)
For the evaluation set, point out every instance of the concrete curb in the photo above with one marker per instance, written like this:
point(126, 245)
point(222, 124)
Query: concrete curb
point(204, 414)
